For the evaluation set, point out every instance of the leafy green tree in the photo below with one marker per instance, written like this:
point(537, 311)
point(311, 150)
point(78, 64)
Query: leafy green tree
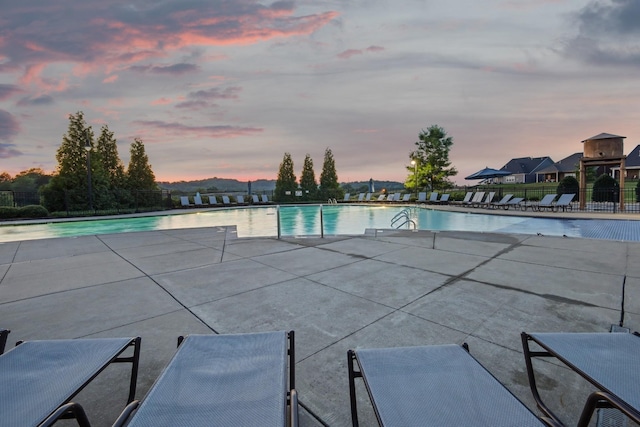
point(5, 181)
point(308, 183)
point(286, 181)
point(329, 185)
point(432, 159)
point(569, 185)
point(30, 180)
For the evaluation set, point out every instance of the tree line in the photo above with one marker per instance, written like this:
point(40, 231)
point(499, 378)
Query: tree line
point(289, 190)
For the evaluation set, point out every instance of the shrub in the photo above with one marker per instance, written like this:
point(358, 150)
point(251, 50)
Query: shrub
point(569, 185)
point(605, 189)
point(7, 212)
point(33, 211)
point(638, 192)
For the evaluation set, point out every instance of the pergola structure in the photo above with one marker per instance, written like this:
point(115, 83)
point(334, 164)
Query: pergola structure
point(602, 150)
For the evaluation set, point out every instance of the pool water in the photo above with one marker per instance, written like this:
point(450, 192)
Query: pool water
point(334, 219)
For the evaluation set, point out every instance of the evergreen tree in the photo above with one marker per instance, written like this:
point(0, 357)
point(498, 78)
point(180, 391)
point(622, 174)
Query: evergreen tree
point(286, 182)
point(432, 158)
point(140, 176)
point(68, 188)
point(107, 152)
point(308, 182)
point(5, 181)
point(329, 186)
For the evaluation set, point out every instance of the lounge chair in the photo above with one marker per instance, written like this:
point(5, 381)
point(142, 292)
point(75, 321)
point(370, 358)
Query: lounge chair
point(422, 197)
point(255, 199)
point(564, 202)
point(39, 378)
point(213, 201)
point(240, 200)
point(361, 197)
point(197, 200)
point(546, 202)
point(381, 198)
point(467, 198)
point(223, 380)
point(226, 201)
point(4, 333)
point(440, 385)
point(487, 201)
point(444, 199)
point(406, 198)
point(609, 361)
point(433, 197)
point(516, 202)
point(184, 202)
point(502, 202)
point(476, 199)
point(265, 199)
point(347, 197)
point(367, 197)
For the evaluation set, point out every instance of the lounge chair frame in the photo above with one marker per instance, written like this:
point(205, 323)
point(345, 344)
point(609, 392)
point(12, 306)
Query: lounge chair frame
point(209, 369)
point(433, 385)
point(34, 393)
point(4, 334)
point(609, 361)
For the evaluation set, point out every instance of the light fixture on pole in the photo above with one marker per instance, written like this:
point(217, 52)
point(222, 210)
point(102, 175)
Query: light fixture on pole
point(87, 147)
point(415, 174)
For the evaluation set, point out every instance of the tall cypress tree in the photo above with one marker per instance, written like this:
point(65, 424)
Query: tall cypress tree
point(286, 181)
point(308, 183)
point(140, 176)
point(329, 185)
point(107, 151)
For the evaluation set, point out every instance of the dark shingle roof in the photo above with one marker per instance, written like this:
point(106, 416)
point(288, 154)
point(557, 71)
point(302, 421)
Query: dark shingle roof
point(633, 159)
point(568, 164)
point(603, 136)
point(525, 165)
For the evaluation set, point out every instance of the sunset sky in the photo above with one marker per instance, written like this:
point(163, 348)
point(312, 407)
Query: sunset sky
point(225, 87)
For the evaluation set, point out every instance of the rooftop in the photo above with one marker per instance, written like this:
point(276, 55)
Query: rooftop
point(384, 288)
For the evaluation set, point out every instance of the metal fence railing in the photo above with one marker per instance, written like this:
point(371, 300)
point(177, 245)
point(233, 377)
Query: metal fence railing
point(76, 202)
point(603, 200)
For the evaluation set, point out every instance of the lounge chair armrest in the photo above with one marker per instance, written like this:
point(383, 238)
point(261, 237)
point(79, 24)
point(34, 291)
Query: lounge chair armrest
point(293, 408)
point(595, 400)
point(68, 410)
point(126, 413)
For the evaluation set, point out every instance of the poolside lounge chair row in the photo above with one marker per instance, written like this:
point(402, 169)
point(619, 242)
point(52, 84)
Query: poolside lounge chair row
point(225, 201)
point(249, 380)
point(480, 200)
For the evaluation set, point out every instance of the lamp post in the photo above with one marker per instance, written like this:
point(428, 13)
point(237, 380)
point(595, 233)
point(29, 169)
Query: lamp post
point(87, 147)
point(415, 173)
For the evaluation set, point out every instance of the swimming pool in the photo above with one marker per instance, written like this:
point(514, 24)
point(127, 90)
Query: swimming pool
point(335, 219)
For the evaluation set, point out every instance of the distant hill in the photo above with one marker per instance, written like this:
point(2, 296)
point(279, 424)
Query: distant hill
point(260, 185)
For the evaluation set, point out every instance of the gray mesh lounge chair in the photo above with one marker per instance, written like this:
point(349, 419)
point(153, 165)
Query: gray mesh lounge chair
point(433, 197)
point(265, 199)
point(502, 202)
point(444, 199)
point(222, 380)
point(422, 197)
point(467, 198)
point(609, 361)
point(487, 201)
point(516, 202)
point(255, 199)
point(440, 385)
point(564, 202)
point(39, 378)
point(545, 203)
point(476, 199)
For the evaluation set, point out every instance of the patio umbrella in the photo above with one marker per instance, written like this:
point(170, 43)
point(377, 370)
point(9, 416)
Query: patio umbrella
point(488, 173)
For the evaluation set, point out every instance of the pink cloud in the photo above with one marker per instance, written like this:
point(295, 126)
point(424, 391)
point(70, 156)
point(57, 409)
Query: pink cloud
point(110, 79)
point(161, 101)
point(9, 127)
point(375, 49)
point(349, 53)
point(7, 91)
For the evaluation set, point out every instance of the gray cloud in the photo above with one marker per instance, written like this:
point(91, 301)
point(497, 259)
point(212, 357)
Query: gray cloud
point(9, 127)
point(7, 91)
point(608, 33)
point(7, 151)
point(175, 69)
point(36, 101)
point(216, 93)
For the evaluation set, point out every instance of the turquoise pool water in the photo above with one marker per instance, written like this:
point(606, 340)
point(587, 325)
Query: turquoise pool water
point(336, 219)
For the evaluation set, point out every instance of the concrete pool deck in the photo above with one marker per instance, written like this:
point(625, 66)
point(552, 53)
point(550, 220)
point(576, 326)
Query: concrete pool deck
point(381, 289)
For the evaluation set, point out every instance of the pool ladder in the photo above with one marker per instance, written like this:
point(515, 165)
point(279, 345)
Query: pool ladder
point(405, 216)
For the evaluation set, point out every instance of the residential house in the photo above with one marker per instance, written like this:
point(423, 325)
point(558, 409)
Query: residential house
point(524, 169)
point(565, 167)
point(631, 165)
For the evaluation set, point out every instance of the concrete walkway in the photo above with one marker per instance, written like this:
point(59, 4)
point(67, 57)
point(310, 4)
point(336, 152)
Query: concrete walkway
point(380, 289)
